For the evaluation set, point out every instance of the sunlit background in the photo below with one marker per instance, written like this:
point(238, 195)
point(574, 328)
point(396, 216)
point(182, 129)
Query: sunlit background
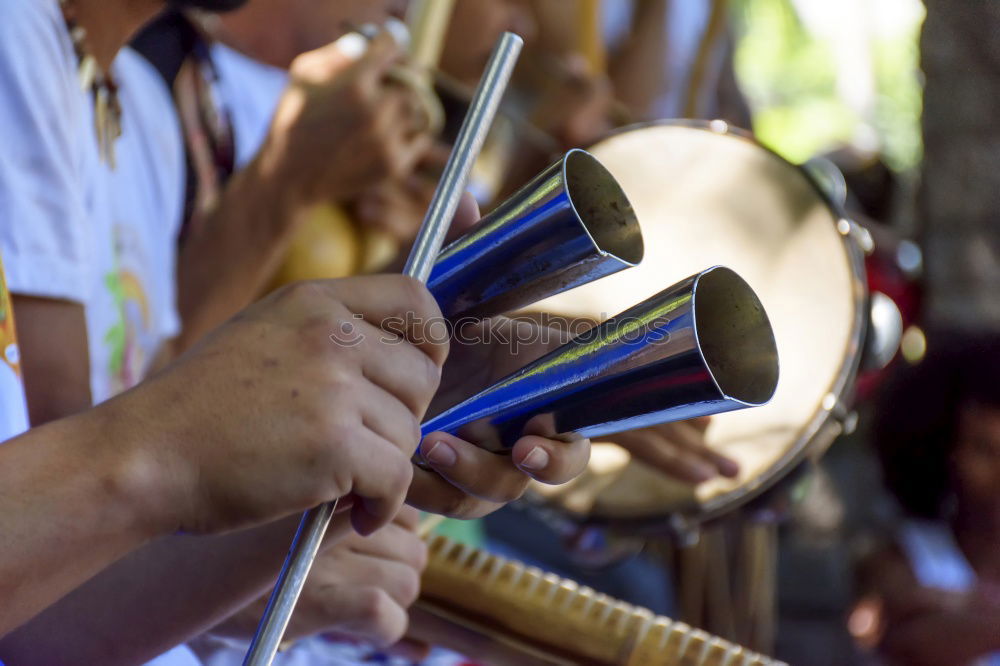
point(820, 75)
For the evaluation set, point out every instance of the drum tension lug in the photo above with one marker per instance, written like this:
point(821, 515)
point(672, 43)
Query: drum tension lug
point(850, 423)
point(858, 233)
point(844, 415)
point(719, 126)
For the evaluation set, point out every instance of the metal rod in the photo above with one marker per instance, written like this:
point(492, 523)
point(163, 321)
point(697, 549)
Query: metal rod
point(470, 140)
point(286, 592)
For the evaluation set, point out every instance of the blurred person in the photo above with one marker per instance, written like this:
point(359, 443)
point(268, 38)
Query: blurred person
point(933, 596)
point(275, 33)
point(249, 86)
point(565, 70)
point(646, 60)
point(673, 59)
point(80, 203)
point(227, 74)
point(555, 102)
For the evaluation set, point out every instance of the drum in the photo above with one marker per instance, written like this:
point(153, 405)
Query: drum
point(706, 194)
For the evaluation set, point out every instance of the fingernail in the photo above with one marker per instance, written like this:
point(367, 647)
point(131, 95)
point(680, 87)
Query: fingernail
point(352, 46)
point(441, 454)
point(729, 468)
point(400, 33)
point(536, 460)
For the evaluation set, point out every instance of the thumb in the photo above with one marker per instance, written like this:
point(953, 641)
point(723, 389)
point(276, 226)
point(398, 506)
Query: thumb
point(331, 60)
point(466, 216)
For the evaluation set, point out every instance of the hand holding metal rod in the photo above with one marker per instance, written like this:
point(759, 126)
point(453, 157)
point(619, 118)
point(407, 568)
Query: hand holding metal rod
point(470, 140)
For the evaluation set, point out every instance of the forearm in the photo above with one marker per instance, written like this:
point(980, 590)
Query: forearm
point(224, 266)
point(242, 624)
point(66, 512)
point(157, 598)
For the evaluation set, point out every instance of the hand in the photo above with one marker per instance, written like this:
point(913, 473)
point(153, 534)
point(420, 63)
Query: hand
point(469, 481)
point(397, 206)
point(577, 108)
point(362, 587)
point(466, 216)
point(340, 127)
point(678, 450)
point(294, 402)
point(359, 588)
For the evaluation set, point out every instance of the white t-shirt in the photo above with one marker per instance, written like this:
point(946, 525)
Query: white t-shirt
point(250, 91)
point(71, 228)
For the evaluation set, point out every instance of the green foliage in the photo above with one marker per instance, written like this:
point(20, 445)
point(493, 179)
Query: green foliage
point(900, 101)
point(790, 79)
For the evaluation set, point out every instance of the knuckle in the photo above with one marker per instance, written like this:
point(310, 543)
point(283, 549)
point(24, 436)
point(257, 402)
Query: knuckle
point(374, 605)
point(342, 378)
point(416, 433)
point(302, 293)
point(444, 348)
point(403, 473)
point(395, 473)
point(427, 380)
point(394, 632)
point(419, 555)
point(419, 298)
point(409, 517)
point(334, 428)
point(296, 63)
point(409, 589)
point(311, 446)
point(319, 481)
point(302, 64)
point(322, 455)
point(346, 430)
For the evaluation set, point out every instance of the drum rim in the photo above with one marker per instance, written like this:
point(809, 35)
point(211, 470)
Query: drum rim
point(817, 434)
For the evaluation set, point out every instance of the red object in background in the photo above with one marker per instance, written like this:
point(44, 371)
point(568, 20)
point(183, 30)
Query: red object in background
point(893, 268)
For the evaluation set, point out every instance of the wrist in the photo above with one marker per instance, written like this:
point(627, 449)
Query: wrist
point(271, 179)
point(139, 471)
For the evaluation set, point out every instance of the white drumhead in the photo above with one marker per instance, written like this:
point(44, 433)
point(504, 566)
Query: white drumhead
point(703, 198)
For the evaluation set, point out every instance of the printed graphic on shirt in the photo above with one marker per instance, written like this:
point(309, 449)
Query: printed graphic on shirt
point(8, 334)
point(13, 409)
point(127, 359)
